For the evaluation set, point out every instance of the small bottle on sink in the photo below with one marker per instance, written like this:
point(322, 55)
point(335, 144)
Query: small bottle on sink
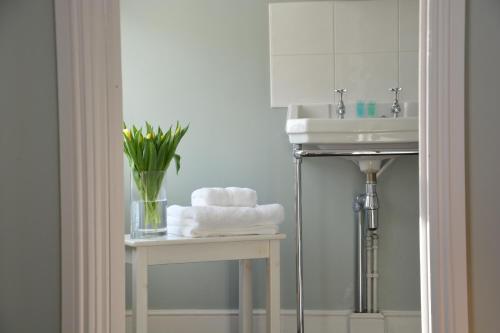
point(372, 109)
point(360, 109)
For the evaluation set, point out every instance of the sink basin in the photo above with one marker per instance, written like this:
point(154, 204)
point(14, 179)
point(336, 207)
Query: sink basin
point(317, 124)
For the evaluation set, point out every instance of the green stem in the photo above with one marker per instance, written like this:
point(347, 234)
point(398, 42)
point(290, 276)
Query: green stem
point(152, 215)
point(148, 185)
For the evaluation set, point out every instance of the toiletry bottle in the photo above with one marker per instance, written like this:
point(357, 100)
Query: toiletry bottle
point(372, 109)
point(360, 109)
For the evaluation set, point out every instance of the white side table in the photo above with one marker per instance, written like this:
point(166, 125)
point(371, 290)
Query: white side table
point(173, 249)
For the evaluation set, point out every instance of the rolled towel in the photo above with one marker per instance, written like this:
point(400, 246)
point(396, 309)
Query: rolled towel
point(226, 197)
point(222, 216)
point(197, 231)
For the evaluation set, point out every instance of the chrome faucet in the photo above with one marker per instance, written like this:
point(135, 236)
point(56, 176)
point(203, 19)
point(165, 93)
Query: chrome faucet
point(340, 104)
point(396, 108)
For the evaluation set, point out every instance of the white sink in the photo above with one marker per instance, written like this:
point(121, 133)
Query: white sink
point(317, 124)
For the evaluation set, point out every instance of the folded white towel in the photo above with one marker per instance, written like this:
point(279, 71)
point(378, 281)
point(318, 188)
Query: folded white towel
point(226, 197)
point(228, 225)
point(222, 216)
point(193, 231)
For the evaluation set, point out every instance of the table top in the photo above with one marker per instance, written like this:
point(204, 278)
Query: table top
point(173, 239)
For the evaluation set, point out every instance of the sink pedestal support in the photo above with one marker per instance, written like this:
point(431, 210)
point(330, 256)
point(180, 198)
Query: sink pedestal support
point(300, 152)
point(299, 258)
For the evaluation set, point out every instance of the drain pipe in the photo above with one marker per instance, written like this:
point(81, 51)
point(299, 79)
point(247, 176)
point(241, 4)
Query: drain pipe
point(371, 211)
point(374, 274)
point(369, 281)
point(371, 201)
point(365, 207)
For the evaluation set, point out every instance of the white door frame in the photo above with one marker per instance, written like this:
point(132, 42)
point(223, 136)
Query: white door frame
point(90, 118)
point(443, 245)
point(91, 162)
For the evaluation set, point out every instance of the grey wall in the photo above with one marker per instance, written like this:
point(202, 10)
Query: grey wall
point(207, 63)
point(29, 177)
point(483, 163)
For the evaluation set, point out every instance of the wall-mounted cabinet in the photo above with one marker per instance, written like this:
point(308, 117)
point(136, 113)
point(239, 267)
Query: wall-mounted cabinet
point(364, 46)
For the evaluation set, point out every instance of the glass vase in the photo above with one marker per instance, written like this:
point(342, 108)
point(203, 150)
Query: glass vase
point(148, 204)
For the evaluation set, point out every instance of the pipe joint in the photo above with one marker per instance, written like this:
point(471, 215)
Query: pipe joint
point(371, 205)
point(371, 197)
point(358, 203)
point(297, 152)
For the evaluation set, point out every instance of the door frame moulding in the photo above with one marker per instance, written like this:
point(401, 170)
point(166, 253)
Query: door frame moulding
point(443, 246)
point(91, 166)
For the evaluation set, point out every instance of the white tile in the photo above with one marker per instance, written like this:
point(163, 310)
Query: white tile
point(408, 25)
point(404, 324)
point(301, 79)
point(367, 77)
point(301, 28)
point(408, 76)
point(365, 26)
point(363, 323)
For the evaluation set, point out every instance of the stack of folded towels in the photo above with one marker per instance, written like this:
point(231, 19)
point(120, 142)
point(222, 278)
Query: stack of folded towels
point(224, 212)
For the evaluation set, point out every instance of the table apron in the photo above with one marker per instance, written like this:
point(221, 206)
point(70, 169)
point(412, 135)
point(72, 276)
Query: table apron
point(202, 252)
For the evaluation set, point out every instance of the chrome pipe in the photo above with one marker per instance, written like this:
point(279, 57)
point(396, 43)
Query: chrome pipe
point(314, 152)
point(360, 292)
point(299, 257)
point(340, 152)
point(369, 301)
point(371, 201)
point(371, 218)
point(375, 271)
point(365, 207)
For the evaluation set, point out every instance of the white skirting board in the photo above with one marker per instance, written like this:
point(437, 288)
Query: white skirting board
point(226, 321)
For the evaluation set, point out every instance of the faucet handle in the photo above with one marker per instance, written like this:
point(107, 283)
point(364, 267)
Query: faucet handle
point(341, 92)
point(396, 91)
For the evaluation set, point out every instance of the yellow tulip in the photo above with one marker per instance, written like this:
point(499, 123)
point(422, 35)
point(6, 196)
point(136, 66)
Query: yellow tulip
point(127, 133)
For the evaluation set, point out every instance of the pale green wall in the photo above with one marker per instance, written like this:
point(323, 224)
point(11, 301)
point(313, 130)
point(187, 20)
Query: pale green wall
point(483, 113)
point(29, 163)
point(206, 63)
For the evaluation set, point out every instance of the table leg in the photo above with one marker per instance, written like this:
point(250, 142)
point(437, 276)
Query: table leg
point(273, 287)
point(139, 291)
point(245, 296)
